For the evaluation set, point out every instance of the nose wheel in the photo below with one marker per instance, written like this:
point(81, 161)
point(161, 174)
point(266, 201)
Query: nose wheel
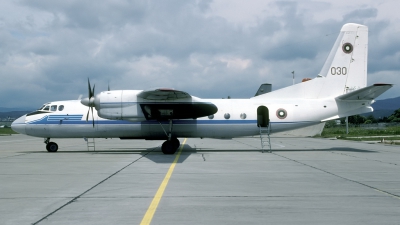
point(172, 143)
point(170, 146)
point(51, 146)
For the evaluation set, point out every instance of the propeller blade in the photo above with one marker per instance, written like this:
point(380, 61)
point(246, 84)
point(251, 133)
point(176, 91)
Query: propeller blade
point(90, 88)
point(93, 90)
point(87, 115)
point(92, 116)
point(90, 101)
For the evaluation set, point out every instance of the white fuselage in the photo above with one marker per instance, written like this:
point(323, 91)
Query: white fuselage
point(242, 120)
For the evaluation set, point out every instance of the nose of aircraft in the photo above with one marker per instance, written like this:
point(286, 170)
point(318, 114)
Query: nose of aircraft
point(19, 125)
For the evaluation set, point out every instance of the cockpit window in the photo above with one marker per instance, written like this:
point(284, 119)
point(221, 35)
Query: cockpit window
point(53, 108)
point(60, 108)
point(46, 108)
point(41, 108)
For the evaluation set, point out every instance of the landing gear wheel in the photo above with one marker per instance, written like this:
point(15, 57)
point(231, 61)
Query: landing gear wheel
point(52, 147)
point(175, 143)
point(168, 147)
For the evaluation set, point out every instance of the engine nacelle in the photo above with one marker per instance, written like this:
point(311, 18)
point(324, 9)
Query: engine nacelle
point(118, 105)
point(135, 105)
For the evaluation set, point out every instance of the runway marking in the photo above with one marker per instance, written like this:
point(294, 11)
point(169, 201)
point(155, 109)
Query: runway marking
point(79, 196)
point(387, 193)
point(156, 200)
point(336, 175)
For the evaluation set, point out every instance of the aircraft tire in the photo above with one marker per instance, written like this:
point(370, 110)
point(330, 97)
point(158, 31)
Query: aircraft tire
point(175, 143)
point(168, 148)
point(52, 147)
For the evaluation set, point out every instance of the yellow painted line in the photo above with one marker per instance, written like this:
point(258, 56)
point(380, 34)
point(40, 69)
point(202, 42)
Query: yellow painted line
point(154, 204)
point(391, 195)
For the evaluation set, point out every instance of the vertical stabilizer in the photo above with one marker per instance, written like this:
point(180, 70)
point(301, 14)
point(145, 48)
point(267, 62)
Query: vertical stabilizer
point(345, 69)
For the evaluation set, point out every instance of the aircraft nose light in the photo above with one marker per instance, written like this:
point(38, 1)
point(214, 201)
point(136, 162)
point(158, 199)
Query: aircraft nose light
point(19, 125)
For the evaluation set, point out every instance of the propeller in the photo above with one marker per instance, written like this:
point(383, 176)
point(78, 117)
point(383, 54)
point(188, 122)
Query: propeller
point(89, 102)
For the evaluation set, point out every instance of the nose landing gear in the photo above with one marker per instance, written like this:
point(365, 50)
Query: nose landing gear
point(50, 146)
point(172, 143)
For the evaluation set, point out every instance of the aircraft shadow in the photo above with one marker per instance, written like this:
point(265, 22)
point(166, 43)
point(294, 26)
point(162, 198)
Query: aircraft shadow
point(155, 154)
point(158, 157)
point(325, 150)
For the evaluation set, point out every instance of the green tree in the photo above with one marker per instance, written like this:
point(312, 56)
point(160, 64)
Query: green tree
point(395, 117)
point(357, 119)
point(371, 119)
point(384, 119)
point(330, 123)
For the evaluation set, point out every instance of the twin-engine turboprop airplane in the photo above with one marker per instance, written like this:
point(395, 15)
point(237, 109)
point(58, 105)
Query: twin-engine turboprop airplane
point(166, 114)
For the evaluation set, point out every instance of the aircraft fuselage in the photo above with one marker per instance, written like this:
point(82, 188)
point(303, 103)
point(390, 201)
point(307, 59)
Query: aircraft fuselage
point(235, 118)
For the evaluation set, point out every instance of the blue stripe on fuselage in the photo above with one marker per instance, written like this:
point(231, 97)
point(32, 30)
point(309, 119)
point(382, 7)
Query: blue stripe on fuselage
point(77, 119)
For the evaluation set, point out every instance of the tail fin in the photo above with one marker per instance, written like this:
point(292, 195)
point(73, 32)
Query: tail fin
point(345, 69)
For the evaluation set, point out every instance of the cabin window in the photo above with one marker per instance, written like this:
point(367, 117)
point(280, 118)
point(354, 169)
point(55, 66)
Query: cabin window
point(211, 117)
point(243, 116)
point(53, 108)
point(227, 116)
point(60, 108)
point(46, 108)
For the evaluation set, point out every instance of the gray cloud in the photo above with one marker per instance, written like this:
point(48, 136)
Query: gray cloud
point(48, 54)
point(359, 15)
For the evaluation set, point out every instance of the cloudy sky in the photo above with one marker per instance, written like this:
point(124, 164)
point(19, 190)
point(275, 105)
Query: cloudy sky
point(209, 48)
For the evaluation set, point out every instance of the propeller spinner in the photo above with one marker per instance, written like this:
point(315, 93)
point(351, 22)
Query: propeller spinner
point(89, 102)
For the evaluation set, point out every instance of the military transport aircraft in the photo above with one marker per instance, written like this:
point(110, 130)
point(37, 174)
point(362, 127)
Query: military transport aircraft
point(339, 90)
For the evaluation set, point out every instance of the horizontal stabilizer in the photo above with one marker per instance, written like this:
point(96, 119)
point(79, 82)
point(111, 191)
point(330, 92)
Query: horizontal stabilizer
point(366, 109)
point(163, 94)
point(367, 93)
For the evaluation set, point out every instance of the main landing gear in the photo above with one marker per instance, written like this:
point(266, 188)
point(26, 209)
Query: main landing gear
point(172, 143)
point(50, 146)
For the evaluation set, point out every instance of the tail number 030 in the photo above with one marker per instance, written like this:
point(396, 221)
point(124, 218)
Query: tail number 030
point(338, 70)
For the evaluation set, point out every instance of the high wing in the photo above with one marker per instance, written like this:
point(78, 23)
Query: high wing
point(166, 103)
point(367, 93)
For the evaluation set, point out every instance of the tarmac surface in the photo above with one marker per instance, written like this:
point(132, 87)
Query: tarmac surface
point(303, 181)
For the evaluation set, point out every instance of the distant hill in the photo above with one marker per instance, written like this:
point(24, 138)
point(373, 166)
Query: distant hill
point(387, 104)
point(4, 109)
point(13, 114)
point(384, 107)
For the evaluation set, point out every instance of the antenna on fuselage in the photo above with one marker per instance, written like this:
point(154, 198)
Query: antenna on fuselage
point(293, 76)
